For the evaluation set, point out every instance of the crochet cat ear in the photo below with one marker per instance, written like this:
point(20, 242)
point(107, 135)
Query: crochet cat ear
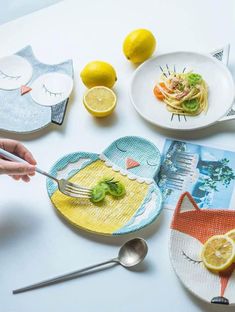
point(186, 203)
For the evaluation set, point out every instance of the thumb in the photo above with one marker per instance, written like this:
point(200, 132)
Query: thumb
point(14, 168)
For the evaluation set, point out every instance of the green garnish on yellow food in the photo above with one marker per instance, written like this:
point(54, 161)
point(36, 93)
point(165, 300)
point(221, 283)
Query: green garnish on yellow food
point(97, 194)
point(107, 186)
point(191, 106)
point(193, 79)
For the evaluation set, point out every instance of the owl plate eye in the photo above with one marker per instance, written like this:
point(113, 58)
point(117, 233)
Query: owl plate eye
point(121, 149)
point(50, 92)
point(51, 89)
point(15, 71)
point(151, 163)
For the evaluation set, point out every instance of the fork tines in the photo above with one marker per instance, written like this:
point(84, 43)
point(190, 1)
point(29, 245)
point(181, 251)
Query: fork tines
point(75, 190)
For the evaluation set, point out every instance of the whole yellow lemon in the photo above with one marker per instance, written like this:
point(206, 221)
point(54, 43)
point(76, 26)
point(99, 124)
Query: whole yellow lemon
point(139, 45)
point(98, 73)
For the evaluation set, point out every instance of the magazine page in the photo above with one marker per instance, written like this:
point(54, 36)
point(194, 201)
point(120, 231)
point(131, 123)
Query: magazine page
point(207, 173)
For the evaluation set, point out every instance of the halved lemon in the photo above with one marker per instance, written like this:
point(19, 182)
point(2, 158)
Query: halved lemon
point(100, 101)
point(218, 252)
point(231, 234)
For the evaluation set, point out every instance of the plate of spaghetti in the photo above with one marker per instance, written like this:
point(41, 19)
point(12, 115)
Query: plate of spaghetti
point(182, 90)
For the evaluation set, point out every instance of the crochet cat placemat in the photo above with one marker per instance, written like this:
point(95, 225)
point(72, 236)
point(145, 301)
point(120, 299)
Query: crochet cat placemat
point(134, 162)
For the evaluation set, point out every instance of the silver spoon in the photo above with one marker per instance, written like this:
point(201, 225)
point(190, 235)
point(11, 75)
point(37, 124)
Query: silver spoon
point(130, 254)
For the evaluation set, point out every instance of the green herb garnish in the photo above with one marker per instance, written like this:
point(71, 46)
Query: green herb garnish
point(107, 186)
point(193, 79)
point(190, 106)
point(97, 194)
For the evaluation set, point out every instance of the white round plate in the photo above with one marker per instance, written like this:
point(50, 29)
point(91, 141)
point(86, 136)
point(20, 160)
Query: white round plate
point(217, 76)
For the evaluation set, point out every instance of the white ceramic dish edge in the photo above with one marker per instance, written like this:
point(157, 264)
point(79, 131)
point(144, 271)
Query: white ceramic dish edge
point(224, 117)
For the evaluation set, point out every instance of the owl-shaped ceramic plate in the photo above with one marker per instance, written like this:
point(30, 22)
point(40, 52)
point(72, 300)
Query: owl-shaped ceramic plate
point(134, 162)
point(191, 227)
point(32, 94)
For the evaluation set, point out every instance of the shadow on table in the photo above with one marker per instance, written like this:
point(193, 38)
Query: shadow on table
point(145, 266)
point(15, 227)
point(24, 137)
point(208, 307)
point(220, 127)
point(106, 121)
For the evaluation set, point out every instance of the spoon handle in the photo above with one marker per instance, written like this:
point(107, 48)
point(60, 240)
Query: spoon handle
point(64, 277)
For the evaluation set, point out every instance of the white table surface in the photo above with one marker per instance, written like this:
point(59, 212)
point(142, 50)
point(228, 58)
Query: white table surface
point(34, 242)
point(17, 8)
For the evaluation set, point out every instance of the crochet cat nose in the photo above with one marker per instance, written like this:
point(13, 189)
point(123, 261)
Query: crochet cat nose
point(220, 300)
point(131, 163)
point(25, 89)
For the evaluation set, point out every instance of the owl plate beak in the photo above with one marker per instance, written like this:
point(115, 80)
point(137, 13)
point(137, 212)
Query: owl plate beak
point(131, 163)
point(24, 90)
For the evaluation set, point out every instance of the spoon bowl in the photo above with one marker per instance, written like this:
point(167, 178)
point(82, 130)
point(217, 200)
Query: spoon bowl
point(132, 252)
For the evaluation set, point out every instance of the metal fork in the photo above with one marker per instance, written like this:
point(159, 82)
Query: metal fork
point(65, 187)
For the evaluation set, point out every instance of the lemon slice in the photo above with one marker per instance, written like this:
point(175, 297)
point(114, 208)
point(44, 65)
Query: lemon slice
point(231, 234)
point(218, 252)
point(100, 101)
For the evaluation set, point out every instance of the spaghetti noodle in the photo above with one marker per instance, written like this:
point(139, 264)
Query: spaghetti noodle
point(183, 93)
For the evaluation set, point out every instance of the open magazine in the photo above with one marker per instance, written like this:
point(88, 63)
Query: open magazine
point(207, 173)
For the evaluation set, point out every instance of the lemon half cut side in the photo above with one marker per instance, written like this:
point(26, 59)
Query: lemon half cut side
point(218, 253)
point(100, 101)
point(231, 234)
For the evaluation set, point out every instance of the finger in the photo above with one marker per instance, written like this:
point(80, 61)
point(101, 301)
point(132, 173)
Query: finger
point(31, 174)
point(29, 158)
point(14, 168)
point(24, 153)
point(19, 177)
point(8, 145)
point(15, 177)
point(19, 149)
point(25, 178)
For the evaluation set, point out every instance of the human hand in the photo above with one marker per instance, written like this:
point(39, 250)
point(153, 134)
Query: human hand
point(14, 169)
